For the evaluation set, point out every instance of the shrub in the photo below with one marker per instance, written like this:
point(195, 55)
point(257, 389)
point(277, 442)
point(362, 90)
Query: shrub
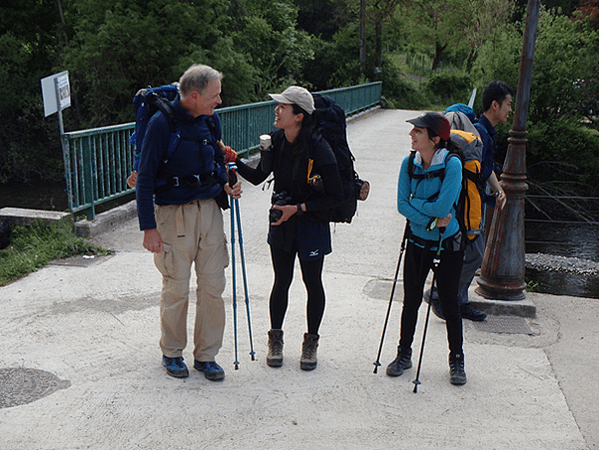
point(399, 91)
point(449, 87)
point(564, 156)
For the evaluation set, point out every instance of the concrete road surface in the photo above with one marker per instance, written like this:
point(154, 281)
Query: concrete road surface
point(80, 366)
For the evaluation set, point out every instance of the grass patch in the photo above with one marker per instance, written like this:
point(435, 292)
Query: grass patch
point(531, 286)
point(33, 246)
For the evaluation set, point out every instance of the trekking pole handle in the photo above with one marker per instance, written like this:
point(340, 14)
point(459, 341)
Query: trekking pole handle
point(232, 172)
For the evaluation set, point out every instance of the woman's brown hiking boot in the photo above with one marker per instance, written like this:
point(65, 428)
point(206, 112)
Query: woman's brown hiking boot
point(275, 348)
point(308, 359)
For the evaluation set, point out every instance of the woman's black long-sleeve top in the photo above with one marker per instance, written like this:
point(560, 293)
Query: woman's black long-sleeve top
point(289, 165)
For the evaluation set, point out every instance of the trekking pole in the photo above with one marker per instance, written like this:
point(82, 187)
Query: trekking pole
point(436, 262)
point(232, 181)
point(402, 248)
point(245, 282)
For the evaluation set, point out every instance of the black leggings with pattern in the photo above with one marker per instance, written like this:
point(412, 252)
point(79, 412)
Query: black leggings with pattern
point(283, 263)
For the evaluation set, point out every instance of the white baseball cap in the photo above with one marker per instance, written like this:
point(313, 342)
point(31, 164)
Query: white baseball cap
point(295, 95)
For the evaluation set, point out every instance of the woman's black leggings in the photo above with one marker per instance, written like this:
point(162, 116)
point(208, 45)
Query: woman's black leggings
point(283, 263)
point(417, 264)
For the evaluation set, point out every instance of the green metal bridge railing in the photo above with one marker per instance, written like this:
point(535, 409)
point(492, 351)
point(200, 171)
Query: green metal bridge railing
point(99, 160)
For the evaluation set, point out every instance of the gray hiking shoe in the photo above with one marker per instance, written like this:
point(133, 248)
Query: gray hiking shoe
point(457, 375)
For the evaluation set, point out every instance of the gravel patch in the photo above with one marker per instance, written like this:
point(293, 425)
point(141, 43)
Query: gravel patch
point(555, 263)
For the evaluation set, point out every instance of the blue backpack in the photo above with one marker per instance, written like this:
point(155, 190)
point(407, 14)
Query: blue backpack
point(146, 102)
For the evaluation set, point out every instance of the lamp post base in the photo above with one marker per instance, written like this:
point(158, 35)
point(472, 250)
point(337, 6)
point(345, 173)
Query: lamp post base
point(503, 291)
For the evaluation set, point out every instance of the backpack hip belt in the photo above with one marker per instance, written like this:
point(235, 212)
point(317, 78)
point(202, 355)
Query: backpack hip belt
point(447, 244)
point(190, 180)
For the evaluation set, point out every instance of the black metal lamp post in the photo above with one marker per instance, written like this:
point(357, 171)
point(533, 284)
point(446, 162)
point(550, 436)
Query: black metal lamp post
point(503, 267)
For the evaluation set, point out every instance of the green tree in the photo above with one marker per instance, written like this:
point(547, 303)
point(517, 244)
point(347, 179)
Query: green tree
point(588, 11)
point(487, 17)
point(29, 144)
point(379, 12)
point(437, 28)
point(563, 145)
point(274, 46)
point(563, 55)
point(336, 61)
point(120, 47)
point(323, 18)
point(113, 48)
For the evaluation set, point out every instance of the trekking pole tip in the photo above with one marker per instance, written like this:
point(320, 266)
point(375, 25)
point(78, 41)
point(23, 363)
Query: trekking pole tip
point(416, 383)
point(376, 366)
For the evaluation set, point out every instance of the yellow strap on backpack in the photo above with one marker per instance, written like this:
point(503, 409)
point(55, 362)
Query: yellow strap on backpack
point(310, 166)
point(313, 180)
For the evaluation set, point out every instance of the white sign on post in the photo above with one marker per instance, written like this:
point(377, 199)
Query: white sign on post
point(56, 93)
point(56, 88)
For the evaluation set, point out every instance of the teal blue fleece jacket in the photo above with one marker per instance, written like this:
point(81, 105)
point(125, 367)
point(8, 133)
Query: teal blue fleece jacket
point(416, 199)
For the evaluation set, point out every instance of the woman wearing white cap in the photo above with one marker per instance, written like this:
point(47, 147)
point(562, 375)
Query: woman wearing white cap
point(306, 186)
point(427, 201)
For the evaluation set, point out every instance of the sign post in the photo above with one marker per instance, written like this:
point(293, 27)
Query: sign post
point(56, 93)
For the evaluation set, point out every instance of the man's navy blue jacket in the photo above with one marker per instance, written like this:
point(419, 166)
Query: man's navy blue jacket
point(196, 154)
point(488, 134)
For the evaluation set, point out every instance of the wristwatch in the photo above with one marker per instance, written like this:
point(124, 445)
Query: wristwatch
point(299, 209)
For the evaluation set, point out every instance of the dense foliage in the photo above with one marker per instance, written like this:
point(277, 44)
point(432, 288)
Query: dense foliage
point(563, 147)
point(428, 53)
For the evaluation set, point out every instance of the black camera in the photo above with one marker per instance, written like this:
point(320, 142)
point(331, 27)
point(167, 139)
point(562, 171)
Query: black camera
point(281, 198)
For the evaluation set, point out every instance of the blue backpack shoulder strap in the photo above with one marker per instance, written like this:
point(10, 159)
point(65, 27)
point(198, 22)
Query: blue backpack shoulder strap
point(164, 106)
point(438, 173)
point(212, 127)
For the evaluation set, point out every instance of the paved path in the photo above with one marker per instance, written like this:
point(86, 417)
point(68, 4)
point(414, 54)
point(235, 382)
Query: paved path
point(80, 364)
